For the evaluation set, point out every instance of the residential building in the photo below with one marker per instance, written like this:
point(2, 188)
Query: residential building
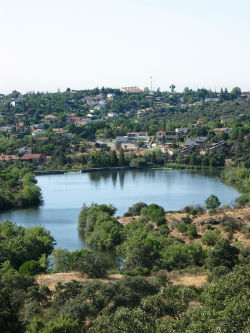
point(163, 136)
point(50, 118)
point(8, 158)
point(217, 145)
point(212, 99)
point(182, 130)
point(20, 127)
point(37, 131)
point(35, 158)
point(131, 90)
point(199, 142)
point(220, 130)
point(112, 115)
point(24, 150)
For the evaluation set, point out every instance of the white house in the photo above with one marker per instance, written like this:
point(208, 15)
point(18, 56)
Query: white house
point(210, 99)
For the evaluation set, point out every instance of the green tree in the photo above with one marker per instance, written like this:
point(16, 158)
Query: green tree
point(121, 158)
point(123, 320)
point(31, 267)
point(212, 202)
point(223, 254)
point(114, 159)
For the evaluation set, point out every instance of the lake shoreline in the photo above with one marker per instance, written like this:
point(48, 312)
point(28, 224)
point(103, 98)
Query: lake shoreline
point(165, 167)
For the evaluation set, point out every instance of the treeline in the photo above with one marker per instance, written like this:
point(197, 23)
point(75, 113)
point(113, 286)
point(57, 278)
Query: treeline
point(18, 189)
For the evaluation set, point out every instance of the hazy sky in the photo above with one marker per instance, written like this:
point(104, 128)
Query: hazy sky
point(54, 44)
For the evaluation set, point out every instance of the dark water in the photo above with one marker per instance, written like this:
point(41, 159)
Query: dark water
point(64, 195)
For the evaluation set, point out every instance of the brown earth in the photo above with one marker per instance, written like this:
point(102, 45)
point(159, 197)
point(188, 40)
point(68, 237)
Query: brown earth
point(50, 280)
point(186, 279)
point(242, 214)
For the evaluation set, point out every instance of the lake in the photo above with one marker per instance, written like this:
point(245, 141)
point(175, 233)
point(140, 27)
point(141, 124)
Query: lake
point(65, 194)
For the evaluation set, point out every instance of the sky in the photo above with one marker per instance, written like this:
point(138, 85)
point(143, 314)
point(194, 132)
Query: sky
point(48, 45)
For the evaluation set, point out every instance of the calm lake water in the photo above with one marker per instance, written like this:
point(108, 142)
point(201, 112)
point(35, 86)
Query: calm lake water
point(64, 195)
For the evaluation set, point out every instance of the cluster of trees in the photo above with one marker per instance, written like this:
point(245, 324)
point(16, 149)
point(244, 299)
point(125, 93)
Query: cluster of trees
point(133, 303)
point(103, 158)
point(237, 176)
point(101, 229)
point(145, 247)
point(18, 189)
point(20, 246)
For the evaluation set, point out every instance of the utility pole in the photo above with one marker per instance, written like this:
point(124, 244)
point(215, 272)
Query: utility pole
point(151, 84)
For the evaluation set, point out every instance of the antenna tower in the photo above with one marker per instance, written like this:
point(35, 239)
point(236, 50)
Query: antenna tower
point(151, 84)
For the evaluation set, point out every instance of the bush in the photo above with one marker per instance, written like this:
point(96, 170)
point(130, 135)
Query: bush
point(182, 228)
point(242, 201)
point(156, 214)
point(183, 255)
point(210, 237)
point(31, 267)
point(136, 209)
point(138, 271)
point(192, 231)
point(231, 224)
point(193, 210)
point(186, 219)
point(164, 230)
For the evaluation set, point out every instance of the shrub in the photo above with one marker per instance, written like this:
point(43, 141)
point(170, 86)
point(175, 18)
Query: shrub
point(136, 209)
point(192, 231)
point(242, 201)
point(210, 237)
point(186, 219)
point(31, 267)
point(182, 228)
point(143, 271)
point(164, 230)
point(231, 224)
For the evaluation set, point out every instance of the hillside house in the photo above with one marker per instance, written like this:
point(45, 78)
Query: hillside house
point(8, 158)
point(163, 136)
point(35, 158)
point(199, 142)
point(24, 150)
point(212, 99)
point(182, 130)
point(37, 132)
point(50, 118)
point(131, 90)
point(217, 146)
point(221, 130)
point(20, 127)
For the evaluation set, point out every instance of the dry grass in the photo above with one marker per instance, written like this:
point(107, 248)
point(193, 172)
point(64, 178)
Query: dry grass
point(51, 280)
point(188, 279)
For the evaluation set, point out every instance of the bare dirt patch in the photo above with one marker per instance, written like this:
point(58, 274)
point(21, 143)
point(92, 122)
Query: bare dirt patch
point(51, 280)
point(186, 279)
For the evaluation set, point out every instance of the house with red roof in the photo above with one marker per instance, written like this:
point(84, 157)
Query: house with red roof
point(35, 158)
